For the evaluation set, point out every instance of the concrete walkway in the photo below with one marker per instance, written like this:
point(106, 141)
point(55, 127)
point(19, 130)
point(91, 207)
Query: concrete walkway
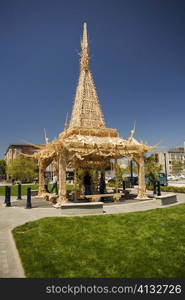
point(10, 217)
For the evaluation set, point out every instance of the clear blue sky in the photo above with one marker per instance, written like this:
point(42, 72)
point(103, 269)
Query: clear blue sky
point(137, 52)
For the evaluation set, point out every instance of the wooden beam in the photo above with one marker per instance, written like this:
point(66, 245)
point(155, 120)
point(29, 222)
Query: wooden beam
point(42, 169)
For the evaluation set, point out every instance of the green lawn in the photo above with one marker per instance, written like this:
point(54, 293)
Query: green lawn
point(14, 189)
point(141, 244)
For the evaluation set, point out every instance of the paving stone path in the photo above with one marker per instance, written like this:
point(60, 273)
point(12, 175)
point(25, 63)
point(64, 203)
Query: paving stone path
point(10, 217)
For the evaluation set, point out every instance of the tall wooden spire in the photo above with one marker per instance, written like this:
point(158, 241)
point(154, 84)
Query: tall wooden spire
point(86, 110)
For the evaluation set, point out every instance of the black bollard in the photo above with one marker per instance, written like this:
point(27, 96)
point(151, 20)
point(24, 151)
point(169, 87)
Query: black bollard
point(8, 195)
point(5, 199)
point(155, 188)
point(19, 192)
point(124, 185)
point(28, 202)
point(158, 189)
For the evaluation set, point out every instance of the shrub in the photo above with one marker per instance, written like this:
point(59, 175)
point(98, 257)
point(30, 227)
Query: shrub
point(23, 169)
point(174, 189)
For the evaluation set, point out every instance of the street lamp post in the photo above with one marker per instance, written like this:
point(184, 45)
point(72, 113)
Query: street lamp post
point(165, 165)
point(131, 174)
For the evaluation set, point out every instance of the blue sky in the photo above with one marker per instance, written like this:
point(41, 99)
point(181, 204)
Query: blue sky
point(137, 53)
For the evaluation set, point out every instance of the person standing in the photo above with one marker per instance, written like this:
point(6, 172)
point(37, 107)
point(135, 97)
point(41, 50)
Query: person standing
point(54, 186)
point(87, 183)
point(102, 184)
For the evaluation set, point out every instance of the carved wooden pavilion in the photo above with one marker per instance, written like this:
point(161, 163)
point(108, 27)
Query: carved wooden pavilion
point(85, 141)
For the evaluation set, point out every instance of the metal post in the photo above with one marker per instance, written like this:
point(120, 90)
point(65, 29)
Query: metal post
point(5, 200)
point(28, 202)
point(158, 189)
point(19, 192)
point(124, 185)
point(8, 195)
point(131, 174)
point(165, 165)
point(154, 186)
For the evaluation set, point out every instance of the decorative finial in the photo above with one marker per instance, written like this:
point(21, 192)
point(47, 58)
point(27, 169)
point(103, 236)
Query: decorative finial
point(132, 132)
point(84, 42)
point(85, 49)
point(66, 122)
point(45, 136)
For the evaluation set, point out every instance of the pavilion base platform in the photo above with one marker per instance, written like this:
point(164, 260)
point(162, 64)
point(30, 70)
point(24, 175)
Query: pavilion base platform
point(82, 208)
point(143, 199)
point(167, 199)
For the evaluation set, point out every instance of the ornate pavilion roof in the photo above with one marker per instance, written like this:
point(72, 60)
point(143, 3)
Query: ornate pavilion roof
point(86, 141)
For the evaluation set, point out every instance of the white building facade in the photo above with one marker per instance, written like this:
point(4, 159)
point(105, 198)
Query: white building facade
point(166, 159)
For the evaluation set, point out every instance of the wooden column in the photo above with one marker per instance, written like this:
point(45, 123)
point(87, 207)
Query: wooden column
point(141, 179)
point(42, 168)
point(75, 184)
point(62, 179)
point(96, 181)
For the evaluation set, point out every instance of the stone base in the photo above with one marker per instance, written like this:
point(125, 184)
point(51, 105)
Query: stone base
point(142, 199)
point(166, 199)
point(82, 208)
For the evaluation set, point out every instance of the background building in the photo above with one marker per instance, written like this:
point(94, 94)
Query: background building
point(15, 150)
point(173, 161)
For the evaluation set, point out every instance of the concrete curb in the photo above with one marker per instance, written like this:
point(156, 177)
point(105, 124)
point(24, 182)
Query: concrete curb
point(20, 270)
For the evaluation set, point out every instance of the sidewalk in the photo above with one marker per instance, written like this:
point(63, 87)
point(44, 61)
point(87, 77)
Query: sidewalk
point(10, 217)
